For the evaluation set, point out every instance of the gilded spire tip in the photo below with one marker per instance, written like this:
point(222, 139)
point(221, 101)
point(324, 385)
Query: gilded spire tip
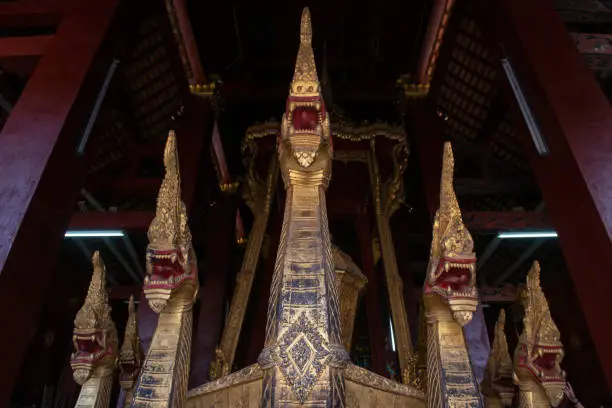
point(306, 27)
point(131, 306)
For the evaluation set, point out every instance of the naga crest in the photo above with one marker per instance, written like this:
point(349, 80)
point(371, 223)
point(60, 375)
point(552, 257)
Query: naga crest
point(497, 381)
point(131, 356)
point(451, 273)
point(95, 335)
point(305, 128)
point(539, 351)
point(170, 259)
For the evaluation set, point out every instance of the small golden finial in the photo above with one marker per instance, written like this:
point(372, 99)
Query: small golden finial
point(131, 329)
point(130, 357)
point(169, 227)
point(500, 363)
point(95, 312)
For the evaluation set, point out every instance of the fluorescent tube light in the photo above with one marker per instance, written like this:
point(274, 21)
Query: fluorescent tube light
point(392, 335)
point(528, 234)
point(532, 124)
point(93, 233)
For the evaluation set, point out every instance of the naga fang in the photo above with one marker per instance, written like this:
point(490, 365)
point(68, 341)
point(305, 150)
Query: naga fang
point(95, 337)
point(452, 267)
point(170, 258)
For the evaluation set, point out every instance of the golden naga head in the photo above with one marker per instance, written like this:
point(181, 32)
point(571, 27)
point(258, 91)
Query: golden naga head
point(170, 259)
point(95, 337)
point(131, 355)
point(305, 126)
point(497, 381)
point(451, 273)
point(539, 352)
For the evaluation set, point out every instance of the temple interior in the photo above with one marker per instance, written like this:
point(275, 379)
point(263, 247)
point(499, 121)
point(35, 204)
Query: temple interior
point(171, 144)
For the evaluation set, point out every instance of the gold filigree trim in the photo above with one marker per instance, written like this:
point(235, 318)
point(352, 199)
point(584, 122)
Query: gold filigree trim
point(169, 228)
point(247, 374)
point(369, 379)
point(95, 312)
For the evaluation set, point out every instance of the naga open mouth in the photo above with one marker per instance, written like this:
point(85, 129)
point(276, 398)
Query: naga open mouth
point(166, 272)
point(305, 124)
point(544, 364)
point(454, 280)
point(90, 348)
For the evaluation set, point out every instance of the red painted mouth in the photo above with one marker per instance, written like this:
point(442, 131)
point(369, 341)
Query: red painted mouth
point(166, 270)
point(305, 118)
point(455, 278)
point(90, 348)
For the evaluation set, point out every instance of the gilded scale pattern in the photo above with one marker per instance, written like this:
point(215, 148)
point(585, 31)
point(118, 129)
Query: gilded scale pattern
point(541, 384)
point(96, 343)
point(303, 357)
point(450, 379)
point(170, 286)
point(303, 362)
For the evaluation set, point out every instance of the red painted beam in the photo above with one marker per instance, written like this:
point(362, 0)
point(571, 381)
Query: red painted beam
point(24, 46)
point(483, 221)
point(41, 172)
point(30, 13)
point(576, 178)
point(193, 133)
point(476, 221)
point(438, 20)
point(191, 49)
point(125, 220)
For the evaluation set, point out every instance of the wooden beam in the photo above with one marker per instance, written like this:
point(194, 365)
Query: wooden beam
point(494, 187)
point(25, 13)
point(24, 46)
point(476, 221)
point(493, 221)
point(124, 220)
point(41, 172)
point(575, 178)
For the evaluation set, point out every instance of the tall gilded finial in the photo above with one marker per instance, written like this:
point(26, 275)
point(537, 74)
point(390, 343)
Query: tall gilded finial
point(169, 227)
point(449, 207)
point(130, 357)
point(452, 263)
point(539, 351)
point(169, 237)
point(95, 336)
point(305, 79)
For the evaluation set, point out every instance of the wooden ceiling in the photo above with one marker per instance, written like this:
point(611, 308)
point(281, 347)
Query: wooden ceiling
point(365, 46)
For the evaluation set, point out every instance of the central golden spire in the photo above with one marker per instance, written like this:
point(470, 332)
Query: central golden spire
point(305, 79)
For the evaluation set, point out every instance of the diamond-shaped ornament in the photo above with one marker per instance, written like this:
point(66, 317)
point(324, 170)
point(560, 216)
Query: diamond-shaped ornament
point(304, 353)
point(301, 352)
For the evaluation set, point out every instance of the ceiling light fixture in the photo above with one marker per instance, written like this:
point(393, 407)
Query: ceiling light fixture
point(93, 233)
point(527, 234)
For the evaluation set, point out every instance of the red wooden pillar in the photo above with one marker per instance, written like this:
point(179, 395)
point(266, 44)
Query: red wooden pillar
point(40, 172)
point(426, 133)
point(576, 178)
point(377, 328)
point(193, 132)
point(220, 227)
